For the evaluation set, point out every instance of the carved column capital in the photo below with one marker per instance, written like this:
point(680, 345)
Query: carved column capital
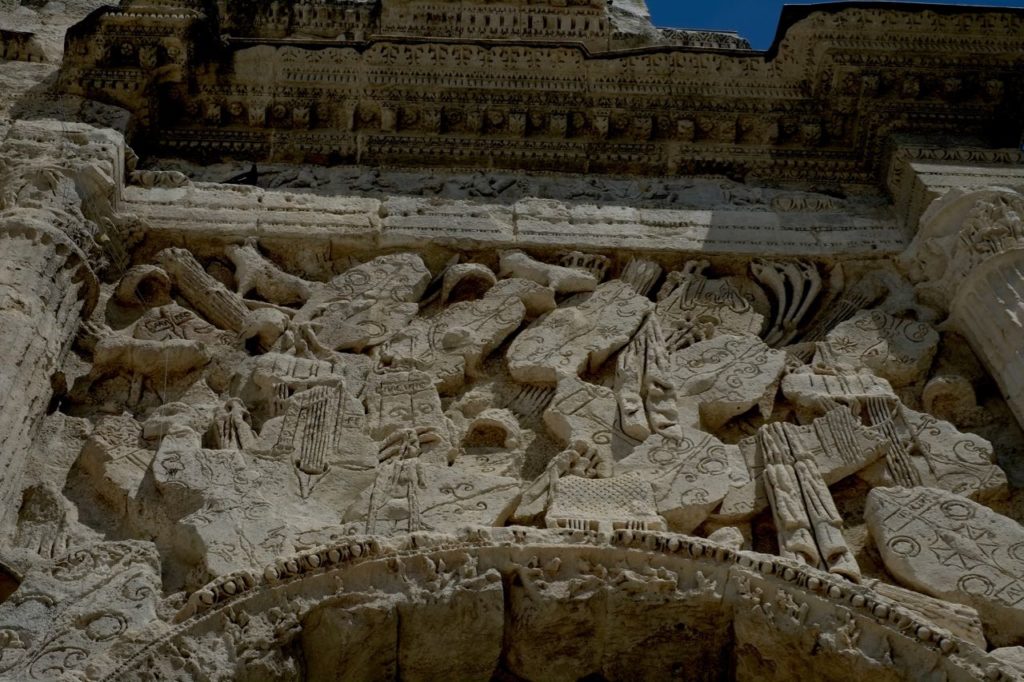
point(961, 236)
point(968, 260)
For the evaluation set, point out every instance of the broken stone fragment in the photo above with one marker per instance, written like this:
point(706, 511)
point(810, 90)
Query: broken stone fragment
point(815, 393)
point(578, 336)
point(898, 350)
point(642, 275)
point(944, 457)
point(84, 604)
point(116, 460)
point(691, 306)
point(153, 369)
point(254, 272)
point(561, 279)
point(452, 345)
point(690, 476)
point(955, 549)
point(213, 300)
point(143, 286)
point(1012, 656)
point(410, 495)
point(234, 511)
point(958, 619)
point(466, 281)
point(538, 299)
point(837, 443)
point(951, 397)
point(728, 536)
point(365, 305)
point(727, 376)
point(172, 321)
point(581, 412)
point(48, 523)
point(262, 328)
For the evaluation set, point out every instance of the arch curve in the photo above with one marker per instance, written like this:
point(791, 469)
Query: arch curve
point(525, 603)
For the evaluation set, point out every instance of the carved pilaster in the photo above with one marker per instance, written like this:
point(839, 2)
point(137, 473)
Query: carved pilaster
point(52, 176)
point(919, 173)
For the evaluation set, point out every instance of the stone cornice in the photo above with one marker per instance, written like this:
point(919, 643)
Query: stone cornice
point(921, 172)
point(820, 106)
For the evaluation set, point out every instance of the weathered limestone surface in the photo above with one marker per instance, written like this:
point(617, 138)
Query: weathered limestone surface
point(966, 261)
point(837, 443)
point(896, 350)
point(690, 476)
point(955, 549)
point(728, 375)
point(330, 384)
point(46, 284)
point(576, 338)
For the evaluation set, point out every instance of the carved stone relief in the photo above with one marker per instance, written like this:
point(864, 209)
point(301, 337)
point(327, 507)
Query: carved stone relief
point(241, 412)
point(356, 422)
point(955, 549)
point(264, 413)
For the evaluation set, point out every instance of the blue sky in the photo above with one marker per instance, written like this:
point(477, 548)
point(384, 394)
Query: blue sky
point(756, 20)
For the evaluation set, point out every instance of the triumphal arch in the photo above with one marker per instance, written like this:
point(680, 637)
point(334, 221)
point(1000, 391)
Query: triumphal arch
point(509, 340)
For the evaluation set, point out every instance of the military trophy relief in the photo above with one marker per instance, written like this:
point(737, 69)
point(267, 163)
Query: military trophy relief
point(248, 412)
point(259, 426)
point(509, 340)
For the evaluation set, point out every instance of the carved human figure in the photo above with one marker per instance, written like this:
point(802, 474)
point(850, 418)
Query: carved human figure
point(232, 427)
point(394, 500)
